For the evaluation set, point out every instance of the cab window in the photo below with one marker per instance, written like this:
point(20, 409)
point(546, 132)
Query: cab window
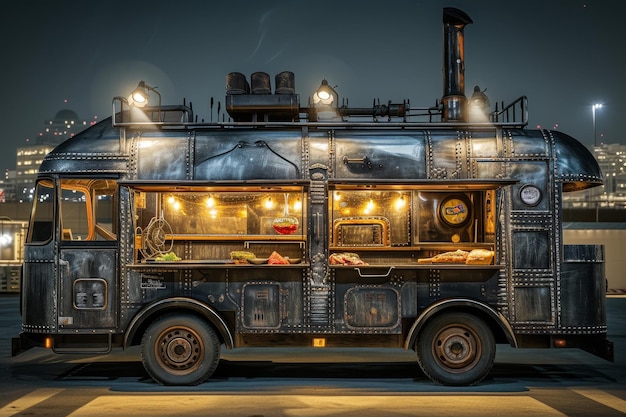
point(87, 209)
point(42, 217)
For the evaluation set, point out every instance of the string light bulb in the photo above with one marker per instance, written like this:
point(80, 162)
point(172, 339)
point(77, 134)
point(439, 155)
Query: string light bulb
point(400, 203)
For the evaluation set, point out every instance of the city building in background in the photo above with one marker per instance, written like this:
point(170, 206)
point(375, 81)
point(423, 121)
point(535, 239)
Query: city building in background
point(7, 186)
point(27, 164)
point(612, 195)
point(64, 125)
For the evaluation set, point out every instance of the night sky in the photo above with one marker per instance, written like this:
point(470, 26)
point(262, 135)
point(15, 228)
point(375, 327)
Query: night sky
point(564, 55)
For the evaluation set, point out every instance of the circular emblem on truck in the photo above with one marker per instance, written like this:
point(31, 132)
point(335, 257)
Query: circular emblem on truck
point(530, 195)
point(455, 210)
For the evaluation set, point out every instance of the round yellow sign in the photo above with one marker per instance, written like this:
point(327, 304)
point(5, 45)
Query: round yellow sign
point(454, 211)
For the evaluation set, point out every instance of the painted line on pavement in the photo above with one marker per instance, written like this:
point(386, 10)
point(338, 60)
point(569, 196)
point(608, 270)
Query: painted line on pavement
point(28, 401)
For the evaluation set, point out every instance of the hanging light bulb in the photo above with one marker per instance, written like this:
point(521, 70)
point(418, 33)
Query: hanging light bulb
point(400, 203)
point(369, 207)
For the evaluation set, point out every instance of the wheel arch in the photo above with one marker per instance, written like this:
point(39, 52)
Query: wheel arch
point(499, 325)
point(147, 315)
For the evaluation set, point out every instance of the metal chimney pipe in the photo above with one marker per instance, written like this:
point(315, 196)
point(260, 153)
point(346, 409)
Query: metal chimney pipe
point(454, 100)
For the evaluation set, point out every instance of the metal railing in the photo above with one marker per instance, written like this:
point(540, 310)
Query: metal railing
point(513, 115)
point(516, 113)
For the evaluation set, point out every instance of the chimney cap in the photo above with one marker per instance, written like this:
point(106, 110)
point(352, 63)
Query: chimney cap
point(456, 16)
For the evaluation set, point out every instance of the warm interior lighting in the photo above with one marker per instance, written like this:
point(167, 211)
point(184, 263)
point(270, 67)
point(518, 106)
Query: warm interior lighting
point(297, 205)
point(210, 202)
point(560, 343)
point(269, 203)
point(6, 239)
point(369, 207)
point(400, 203)
point(173, 201)
point(48, 343)
point(319, 342)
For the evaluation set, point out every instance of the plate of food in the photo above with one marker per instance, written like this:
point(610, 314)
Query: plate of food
point(258, 261)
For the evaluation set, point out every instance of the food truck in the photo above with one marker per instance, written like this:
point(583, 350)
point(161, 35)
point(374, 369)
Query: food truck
point(284, 225)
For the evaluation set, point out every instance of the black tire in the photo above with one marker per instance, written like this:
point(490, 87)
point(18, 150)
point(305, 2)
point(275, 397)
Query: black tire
point(456, 349)
point(180, 349)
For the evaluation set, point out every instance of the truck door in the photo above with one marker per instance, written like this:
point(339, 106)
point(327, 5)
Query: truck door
point(38, 285)
point(88, 254)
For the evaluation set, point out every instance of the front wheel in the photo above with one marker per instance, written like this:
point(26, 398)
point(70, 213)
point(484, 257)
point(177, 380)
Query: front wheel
point(180, 349)
point(456, 349)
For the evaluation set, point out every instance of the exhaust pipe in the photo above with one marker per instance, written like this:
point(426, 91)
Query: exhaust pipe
point(454, 100)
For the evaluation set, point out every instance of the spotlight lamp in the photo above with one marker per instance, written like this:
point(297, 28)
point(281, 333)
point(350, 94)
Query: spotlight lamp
point(479, 106)
point(139, 97)
point(325, 94)
point(479, 99)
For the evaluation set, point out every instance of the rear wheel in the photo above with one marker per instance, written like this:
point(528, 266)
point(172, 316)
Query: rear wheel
point(180, 349)
point(456, 349)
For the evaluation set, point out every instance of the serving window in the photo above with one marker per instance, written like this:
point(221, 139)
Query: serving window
point(224, 213)
point(409, 216)
point(208, 223)
point(371, 218)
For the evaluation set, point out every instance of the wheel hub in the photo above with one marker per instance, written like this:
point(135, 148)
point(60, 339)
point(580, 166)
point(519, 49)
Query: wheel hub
point(456, 348)
point(180, 349)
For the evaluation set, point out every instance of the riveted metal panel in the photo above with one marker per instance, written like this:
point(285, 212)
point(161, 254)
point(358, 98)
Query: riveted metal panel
point(380, 155)
point(372, 306)
point(242, 155)
point(261, 306)
point(582, 289)
point(447, 155)
point(98, 149)
point(162, 157)
point(534, 304)
point(529, 144)
point(88, 296)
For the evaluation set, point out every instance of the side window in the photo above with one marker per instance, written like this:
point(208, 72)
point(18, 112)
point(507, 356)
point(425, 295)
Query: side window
point(76, 215)
point(42, 217)
point(105, 213)
point(88, 209)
